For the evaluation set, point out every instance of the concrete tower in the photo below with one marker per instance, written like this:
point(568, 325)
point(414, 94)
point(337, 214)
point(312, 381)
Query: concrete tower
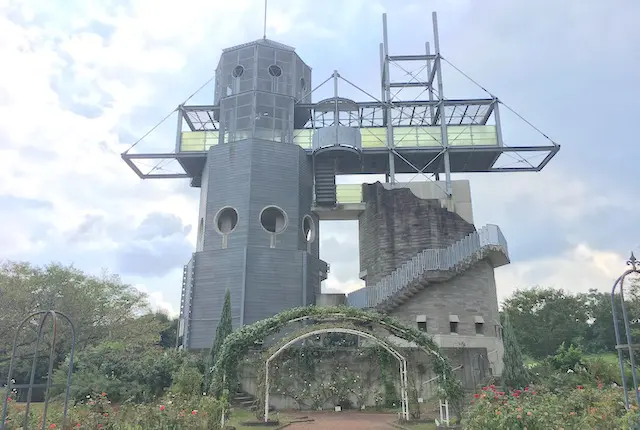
point(257, 234)
point(266, 158)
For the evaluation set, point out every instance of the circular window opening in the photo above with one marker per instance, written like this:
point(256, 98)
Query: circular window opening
point(275, 70)
point(226, 220)
point(308, 228)
point(303, 84)
point(237, 71)
point(273, 219)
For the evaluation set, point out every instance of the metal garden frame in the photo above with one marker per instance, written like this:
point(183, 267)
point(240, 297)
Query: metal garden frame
point(633, 262)
point(31, 385)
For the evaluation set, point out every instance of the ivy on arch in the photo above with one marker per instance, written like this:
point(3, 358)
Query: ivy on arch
point(328, 327)
point(239, 342)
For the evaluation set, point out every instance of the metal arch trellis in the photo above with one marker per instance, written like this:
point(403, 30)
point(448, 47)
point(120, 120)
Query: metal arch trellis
point(31, 385)
point(635, 268)
point(401, 359)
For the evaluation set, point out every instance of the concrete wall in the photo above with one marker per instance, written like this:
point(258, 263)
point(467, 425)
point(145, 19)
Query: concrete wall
point(467, 296)
point(460, 202)
point(470, 367)
point(331, 300)
point(396, 225)
point(265, 272)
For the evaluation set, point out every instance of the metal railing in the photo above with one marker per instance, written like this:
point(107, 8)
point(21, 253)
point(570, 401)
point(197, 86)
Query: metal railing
point(461, 254)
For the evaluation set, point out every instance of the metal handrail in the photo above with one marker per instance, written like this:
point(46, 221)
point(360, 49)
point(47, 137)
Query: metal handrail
point(462, 253)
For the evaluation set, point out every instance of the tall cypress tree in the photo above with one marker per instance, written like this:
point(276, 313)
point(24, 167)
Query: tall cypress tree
point(224, 327)
point(223, 330)
point(514, 374)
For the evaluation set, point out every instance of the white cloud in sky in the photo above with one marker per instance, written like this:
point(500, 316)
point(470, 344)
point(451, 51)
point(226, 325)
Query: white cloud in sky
point(80, 83)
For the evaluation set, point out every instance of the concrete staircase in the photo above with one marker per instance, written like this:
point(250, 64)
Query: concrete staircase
point(244, 400)
point(432, 265)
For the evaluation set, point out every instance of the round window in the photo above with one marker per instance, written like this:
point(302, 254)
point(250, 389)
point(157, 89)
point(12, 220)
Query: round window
point(226, 220)
point(273, 219)
point(308, 228)
point(275, 70)
point(237, 71)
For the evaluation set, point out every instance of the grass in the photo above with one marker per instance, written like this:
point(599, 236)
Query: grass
point(419, 426)
point(609, 357)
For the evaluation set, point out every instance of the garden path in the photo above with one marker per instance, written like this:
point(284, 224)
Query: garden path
point(346, 421)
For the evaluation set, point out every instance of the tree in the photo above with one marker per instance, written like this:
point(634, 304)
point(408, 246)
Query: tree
point(514, 374)
point(102, 308)
point(549, 314)
point(224, 328)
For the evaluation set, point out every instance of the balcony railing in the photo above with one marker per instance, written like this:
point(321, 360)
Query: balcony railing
point(455, 256)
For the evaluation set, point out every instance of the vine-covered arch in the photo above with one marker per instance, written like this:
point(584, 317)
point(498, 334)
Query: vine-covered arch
point(238, 342)
point(313, 330)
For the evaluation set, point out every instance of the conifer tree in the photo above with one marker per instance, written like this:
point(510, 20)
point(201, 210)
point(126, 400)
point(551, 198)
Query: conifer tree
point(223, 330)
point(514, 374)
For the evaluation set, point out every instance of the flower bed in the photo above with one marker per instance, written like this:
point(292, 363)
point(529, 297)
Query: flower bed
point(579, 408)
point(97, 412)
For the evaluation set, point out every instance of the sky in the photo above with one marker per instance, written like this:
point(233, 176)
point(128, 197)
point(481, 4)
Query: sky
point(81, 81)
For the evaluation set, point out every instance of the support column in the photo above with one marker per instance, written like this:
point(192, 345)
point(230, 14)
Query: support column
point(386, 84)
point(443, 120)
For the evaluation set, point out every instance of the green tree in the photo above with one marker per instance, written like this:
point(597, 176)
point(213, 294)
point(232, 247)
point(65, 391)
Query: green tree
point(514, 374)
point(549, 314)
point(102, 308)
point(223, 330)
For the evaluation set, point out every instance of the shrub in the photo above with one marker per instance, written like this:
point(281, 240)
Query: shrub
point(173, 412)
point(567, 358)
point(580, 408)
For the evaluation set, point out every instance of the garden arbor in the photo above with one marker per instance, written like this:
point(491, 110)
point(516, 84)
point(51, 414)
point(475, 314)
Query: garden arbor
point(326, 320)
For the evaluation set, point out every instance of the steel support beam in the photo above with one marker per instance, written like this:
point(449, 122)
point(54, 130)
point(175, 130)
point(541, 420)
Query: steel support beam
point(427, 57)
point(443, 123)
point(387, 98)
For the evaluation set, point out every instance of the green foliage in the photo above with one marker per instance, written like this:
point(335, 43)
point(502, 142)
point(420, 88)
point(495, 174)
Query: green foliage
point(129, 373)
point(239, 342)
point(103, 309)
point(514, 374)
point(536, 409)
point(547, 314)
point(224, 328)
point(189, 379)
point(567, 358)
point(174, 412)
point(584, 320)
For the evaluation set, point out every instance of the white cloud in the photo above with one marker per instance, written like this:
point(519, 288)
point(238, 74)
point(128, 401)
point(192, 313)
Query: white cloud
point(127, 61)
point(577, 270)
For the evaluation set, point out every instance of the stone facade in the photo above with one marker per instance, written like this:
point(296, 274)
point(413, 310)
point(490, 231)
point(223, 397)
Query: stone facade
point(396, 225)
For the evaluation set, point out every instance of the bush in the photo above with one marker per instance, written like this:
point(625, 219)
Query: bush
point(171, 413)
point(128, 373)
point(580, 408)
point(567, 358)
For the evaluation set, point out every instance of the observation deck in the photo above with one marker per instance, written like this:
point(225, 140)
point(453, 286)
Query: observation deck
point(474, 140)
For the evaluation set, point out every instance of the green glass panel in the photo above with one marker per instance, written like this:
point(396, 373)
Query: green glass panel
point(349, 193)
point(198, 141)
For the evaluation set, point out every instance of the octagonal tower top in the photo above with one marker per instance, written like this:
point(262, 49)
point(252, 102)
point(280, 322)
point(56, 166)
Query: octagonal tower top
point(263, 65)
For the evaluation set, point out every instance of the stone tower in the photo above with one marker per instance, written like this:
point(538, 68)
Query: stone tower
point(257, 234)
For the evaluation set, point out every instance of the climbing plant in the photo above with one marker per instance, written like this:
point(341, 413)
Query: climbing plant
point(238, 342)
point(338, 385)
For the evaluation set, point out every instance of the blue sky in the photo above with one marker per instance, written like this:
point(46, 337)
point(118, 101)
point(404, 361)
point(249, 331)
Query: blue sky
point(82, 80)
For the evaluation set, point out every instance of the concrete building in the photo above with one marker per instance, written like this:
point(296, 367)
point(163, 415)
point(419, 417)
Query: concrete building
point(266, 158)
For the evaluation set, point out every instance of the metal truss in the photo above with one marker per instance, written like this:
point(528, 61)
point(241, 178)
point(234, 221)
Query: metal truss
point(429, 108)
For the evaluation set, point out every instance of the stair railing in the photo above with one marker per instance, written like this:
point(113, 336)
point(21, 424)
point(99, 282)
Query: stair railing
point(461, 253)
